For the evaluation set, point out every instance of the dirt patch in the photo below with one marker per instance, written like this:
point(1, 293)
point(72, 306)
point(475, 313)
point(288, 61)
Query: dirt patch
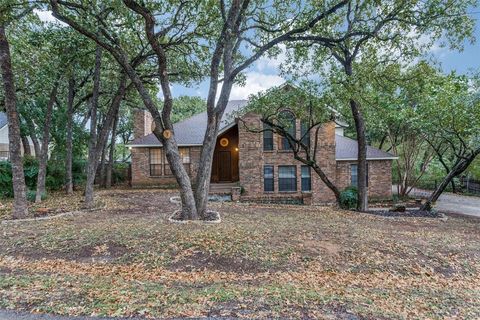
point(406, 214)
point(104, 252)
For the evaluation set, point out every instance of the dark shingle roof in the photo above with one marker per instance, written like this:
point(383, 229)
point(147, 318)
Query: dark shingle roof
point(347, 149)
point(192, 130)
point(3, 119)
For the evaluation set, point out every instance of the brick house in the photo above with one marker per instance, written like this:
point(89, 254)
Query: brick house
point(260, 163)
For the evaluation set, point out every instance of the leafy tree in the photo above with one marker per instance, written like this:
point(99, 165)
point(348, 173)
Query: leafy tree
point(222, 40)
point(366, 33)
point(186, 106)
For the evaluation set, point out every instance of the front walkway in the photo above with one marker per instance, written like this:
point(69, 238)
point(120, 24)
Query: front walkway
point(451, 202)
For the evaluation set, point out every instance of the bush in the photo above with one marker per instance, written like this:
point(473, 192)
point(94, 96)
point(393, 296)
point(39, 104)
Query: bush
point(6, 186)
point(348, 198)
point(31, 194)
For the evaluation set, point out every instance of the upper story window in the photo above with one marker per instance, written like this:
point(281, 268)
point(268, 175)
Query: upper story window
point(156, 160)
point(287, 120)
point(267, 138)
point(268, 182)
point(306, 179)
point(287, 178)
point(305, 133)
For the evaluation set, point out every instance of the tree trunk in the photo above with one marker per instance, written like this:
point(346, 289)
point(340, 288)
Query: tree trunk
point(111, 155)
point(42, 165)
point(457, 170)
point(92, 144)
point(102, 166)
point(69, 142)
point(20, 208)
point(26, 145)
point(33, 136)
point(362, 201)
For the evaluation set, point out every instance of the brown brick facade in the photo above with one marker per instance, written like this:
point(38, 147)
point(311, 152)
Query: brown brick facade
point(141, 168)
point(252, 159)
point(379, 177)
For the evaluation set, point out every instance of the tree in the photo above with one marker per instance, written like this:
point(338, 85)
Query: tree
point(20, 208)
point(186, 106)
point(365, 32)
point(238, 32)
point(276, 107)
point(457, 127)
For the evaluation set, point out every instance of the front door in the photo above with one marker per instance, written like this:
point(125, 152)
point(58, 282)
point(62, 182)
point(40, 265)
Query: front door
point(224, 166)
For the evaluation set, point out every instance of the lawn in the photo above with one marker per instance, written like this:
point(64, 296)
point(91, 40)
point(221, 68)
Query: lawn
point(262, 261)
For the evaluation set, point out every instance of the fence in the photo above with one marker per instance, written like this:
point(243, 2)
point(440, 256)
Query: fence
point(460, 185)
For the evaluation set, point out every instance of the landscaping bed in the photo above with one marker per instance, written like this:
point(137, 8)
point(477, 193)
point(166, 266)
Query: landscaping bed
point(261, 261)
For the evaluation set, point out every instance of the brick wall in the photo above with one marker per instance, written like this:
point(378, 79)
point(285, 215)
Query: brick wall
point(141, 168)
point(252, 159)
point(142, 123)
point(379, 177)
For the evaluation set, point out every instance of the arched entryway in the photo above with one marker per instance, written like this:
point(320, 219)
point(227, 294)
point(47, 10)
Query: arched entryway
point(225, 157)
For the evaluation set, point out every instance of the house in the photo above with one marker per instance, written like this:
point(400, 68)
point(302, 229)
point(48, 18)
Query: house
point(260, 163)
point(4, 143)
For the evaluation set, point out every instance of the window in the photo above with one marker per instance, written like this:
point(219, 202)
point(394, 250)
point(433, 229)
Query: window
point(267, 138)
point(354, 174)
point(156, 161)
point(306, 179)
point(185, 155)
point(287, 178)
point(287, 120)
point(268, 184)
point(305, 133)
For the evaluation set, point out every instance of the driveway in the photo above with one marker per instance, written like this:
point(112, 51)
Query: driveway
point(451, 202)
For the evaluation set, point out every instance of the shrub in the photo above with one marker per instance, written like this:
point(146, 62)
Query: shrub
point(348, 198)
point(31, 194)
point(6, 186)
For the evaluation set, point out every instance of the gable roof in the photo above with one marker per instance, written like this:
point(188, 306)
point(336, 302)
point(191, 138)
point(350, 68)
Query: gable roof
point(3, 119)
point(347, 149)
point(191, 131)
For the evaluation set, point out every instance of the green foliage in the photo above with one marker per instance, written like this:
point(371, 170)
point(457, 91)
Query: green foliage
point(185, 106)
point(348, 198)
point(6, 186)
point(31, 194)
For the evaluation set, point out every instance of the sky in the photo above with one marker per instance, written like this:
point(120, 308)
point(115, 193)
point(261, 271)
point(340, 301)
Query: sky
point(264, 73)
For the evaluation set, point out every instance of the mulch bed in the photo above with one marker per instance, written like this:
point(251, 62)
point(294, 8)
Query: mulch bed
point(407, 213)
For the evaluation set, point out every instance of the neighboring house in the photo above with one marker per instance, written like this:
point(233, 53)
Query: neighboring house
point(260, 163)
point(4, 145)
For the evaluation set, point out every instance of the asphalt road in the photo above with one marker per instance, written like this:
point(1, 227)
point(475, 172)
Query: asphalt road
point(451, 202)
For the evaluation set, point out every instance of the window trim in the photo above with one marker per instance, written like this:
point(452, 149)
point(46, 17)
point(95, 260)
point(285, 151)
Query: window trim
point(351, 175)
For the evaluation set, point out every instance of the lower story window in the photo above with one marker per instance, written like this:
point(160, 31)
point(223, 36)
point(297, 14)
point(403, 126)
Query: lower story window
point(268, 184)
point(354, 174)
point(156, 158)
point(306, 179)
point(287, 178)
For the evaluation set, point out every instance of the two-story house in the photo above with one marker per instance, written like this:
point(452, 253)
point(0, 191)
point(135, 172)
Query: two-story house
point(260, 163)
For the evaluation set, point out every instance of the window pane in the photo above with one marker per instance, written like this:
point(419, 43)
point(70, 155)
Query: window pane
point(268, 184)
point(185, 154)
point(267, 138)
point(287, 119)
point(305, 134)
point(306, 179)
point(155, 161)
point(354, 174)
point(155, 156)
point(287, 178)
